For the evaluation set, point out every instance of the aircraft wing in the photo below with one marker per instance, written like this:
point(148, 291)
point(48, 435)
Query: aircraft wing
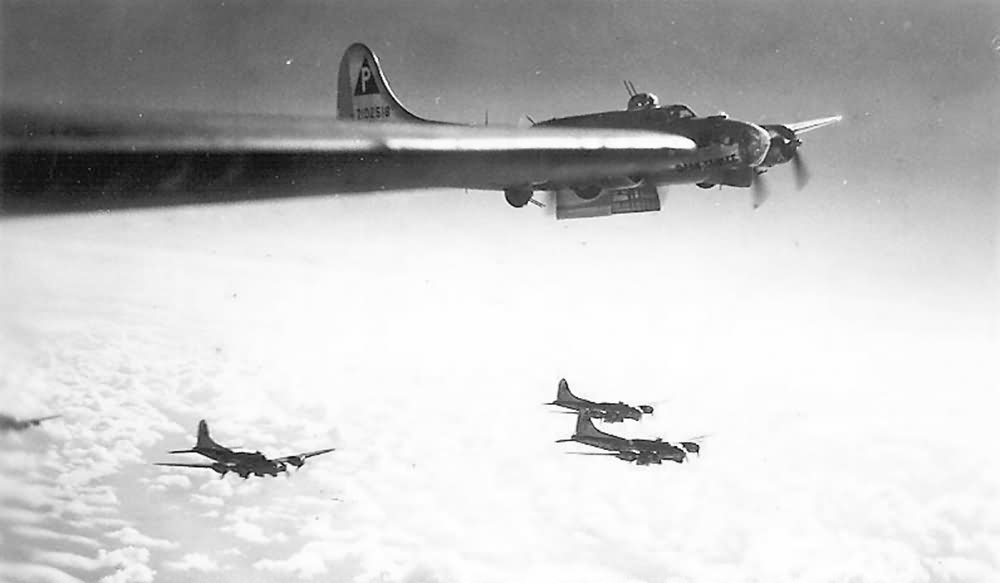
point(84, 162)
point(304, 456)
point(184, 465)
point(813, 124)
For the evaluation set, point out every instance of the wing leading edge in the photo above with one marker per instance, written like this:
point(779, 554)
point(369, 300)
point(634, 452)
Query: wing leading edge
point(813, 124)
point(304, 456)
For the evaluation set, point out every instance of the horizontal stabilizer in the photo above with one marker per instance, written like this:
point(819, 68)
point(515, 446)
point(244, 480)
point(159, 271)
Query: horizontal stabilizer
point(182, 465)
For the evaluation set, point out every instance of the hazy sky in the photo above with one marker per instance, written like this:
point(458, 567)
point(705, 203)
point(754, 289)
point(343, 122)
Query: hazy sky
point(837, 344)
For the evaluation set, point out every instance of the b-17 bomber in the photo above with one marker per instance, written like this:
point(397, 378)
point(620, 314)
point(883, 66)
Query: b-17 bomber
point(242, 463)
point(643, 452)
point(596, 164)
point(607, 412)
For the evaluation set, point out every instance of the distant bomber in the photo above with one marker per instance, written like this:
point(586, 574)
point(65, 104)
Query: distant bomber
point(608, 412)
point(641, 451)
point(8, 423)
point(241, 463)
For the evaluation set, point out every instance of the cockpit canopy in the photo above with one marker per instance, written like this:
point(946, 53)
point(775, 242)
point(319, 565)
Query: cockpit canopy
point(678, 111)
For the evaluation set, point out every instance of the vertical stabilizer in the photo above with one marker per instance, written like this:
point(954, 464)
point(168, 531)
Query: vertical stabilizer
point(585, 428)
point(564, 395)
point(363, 92)
point(204, 439)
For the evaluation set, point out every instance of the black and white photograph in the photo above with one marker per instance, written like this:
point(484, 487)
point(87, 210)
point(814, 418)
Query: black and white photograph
point(562, 291)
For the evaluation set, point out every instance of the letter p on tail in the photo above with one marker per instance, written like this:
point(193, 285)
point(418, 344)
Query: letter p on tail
point(363, 92)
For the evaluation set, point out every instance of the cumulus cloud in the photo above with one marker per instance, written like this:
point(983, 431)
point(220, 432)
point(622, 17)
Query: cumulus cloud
point(14, 515)
point(36, 532)
point(194, 562)
point(69, 560)
point(219, 488)
point(133, 537)
point(34, 573)
point(207, 500)
point(254, 533)
point(167, 481)
point(304, 564)
point(130, 564)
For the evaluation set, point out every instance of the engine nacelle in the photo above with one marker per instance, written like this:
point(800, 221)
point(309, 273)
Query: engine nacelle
point(783, 145)
point(691, 447)
point(741, 177)
point(646, 459)
point(647, 409)
point(629, 456)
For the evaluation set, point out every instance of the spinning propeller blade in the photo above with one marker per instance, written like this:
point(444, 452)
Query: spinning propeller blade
point(760, 190)
point(784, 148)
point(801, 172)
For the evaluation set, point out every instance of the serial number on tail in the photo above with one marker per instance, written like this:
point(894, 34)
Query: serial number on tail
point(374, 112)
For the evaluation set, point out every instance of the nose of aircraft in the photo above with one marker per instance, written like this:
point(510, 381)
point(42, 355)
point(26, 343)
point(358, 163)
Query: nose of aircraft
point(755, 144)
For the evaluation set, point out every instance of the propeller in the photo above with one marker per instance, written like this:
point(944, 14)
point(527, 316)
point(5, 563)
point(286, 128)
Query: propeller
point(801, 172)
point(760, 190)
point(783, 148)
point(693, 444)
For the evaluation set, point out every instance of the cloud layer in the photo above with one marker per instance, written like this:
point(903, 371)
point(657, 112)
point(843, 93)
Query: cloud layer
point(834, 452)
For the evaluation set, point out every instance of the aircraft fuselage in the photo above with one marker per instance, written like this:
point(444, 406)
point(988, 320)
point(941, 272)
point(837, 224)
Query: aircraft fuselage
point(611, 412)
point(727, 149)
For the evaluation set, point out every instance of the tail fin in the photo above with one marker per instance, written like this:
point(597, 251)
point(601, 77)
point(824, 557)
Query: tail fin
point(363, 92)
point(204, 439)
point(585, 428)
point(565, 395)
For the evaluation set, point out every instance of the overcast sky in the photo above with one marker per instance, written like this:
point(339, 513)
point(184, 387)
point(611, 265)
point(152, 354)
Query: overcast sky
point(837, 344)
